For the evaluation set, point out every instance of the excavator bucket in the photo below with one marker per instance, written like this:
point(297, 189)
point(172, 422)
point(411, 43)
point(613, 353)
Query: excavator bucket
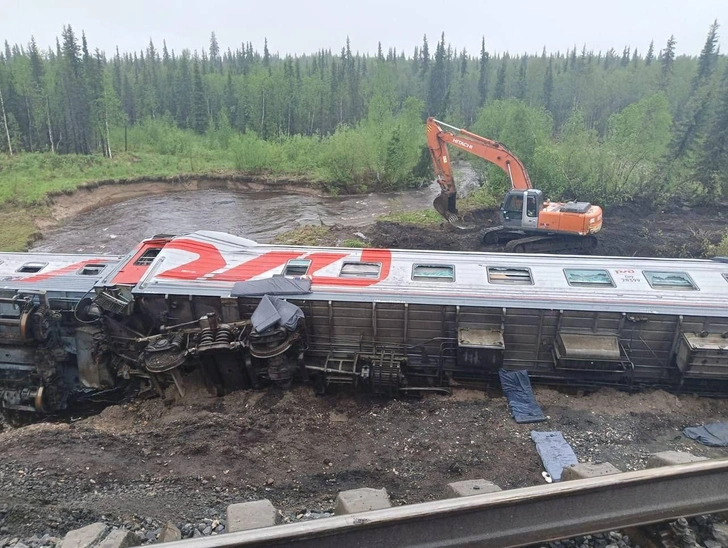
point(445, 205)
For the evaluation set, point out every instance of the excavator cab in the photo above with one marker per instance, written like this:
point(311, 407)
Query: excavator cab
point(520, 208)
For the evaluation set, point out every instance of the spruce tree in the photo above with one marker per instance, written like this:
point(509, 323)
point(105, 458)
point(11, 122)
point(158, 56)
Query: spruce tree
point(522, 84)
point(708, 57)
point(425, 52)
point(667, 61)
point(650, 54)
point(483, 73)
point(199, 118)
point(713, 165)
point(548, 85)
point(500, 81)
point(437, 95)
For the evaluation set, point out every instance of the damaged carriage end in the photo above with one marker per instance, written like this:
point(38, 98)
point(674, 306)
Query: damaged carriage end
point(207, 335)
point(47, 359)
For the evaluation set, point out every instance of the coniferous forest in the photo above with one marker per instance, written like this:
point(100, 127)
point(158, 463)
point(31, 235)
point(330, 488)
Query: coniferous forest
point(605, 126)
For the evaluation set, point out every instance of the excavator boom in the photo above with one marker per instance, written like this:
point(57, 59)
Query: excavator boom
point(491, 151)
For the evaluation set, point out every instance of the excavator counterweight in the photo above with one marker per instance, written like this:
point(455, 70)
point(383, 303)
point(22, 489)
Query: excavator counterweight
point(528, 222)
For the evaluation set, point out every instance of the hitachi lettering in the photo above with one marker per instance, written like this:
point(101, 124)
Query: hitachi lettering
point(462, 143)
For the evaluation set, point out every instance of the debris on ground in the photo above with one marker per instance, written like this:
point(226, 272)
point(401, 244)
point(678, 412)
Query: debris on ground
point(712, 435)
point(517, 389)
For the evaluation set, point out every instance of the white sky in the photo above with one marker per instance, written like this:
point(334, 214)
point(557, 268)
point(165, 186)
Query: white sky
point(304, 26)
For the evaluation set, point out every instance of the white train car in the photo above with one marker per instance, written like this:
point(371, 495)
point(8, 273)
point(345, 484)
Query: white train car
point(385, 320)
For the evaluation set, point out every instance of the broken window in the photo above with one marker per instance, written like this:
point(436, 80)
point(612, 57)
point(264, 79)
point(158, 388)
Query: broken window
point(148, 256)
point(669, 280)
point(297, 267)
point(433, 272)
point(32, 267)
point(360, 270)
point(508, 275)
point(92, 269)
point(588, 277)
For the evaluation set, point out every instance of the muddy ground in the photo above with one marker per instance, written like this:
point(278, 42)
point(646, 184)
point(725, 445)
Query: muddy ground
point(145, 462)
point(629, 230)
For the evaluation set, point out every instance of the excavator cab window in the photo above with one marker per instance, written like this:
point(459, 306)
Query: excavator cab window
point(531, 207)
point(513, 207)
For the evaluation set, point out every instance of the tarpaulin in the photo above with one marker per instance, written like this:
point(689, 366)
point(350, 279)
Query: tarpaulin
point(273, 311)
point(517, 388)
point(555, 452)
point(714, 435)
point(275, 285)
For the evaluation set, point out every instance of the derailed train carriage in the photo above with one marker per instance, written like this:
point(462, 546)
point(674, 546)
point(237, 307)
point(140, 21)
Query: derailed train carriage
point(81, 328)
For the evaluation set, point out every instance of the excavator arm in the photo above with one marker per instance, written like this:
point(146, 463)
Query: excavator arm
point(487, 149)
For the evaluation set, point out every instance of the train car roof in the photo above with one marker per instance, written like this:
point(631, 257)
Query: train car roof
point(207, 263)
point(53, 271)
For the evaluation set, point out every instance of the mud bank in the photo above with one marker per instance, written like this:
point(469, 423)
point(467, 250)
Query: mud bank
point(629, 230)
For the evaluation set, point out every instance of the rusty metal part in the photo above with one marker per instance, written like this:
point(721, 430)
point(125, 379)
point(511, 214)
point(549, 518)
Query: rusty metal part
point(519, 517)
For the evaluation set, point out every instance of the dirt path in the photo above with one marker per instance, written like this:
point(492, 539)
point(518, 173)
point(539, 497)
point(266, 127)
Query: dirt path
point(143, 463)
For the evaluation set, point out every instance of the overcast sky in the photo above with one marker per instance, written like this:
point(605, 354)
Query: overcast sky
point(304, 26)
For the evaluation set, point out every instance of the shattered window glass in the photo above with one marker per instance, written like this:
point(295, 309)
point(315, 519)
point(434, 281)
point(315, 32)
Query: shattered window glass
point(588, 277)
point(432, 272)
point(509, 275)
point(360, 270)
point(297, 267)
point(669, 280)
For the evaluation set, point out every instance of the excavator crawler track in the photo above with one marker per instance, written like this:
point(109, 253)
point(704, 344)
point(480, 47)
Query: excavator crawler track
point(551, 244)
point(517, 241)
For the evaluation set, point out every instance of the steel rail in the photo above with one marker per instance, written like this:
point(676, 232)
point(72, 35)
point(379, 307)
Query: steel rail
point(517, 517)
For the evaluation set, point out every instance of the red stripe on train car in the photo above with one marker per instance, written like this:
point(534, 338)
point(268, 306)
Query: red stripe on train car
point(71, 268)
point(383, 256)
point(131, 273)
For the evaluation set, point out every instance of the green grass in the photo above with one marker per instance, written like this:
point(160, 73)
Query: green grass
point(424, 217)
point(305, 235)
point(18, 226)
point(353, 242)
point(27, 178)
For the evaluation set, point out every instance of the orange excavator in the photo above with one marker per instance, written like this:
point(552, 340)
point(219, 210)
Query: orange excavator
point(529, 223)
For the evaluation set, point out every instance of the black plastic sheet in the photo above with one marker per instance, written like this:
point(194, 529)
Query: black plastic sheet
point(272, 311)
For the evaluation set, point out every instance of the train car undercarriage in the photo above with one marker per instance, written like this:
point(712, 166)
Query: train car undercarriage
point(59, 355)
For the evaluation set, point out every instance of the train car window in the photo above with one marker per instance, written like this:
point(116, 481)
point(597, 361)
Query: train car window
point(669, 280)
point(360, 270)
point(148, 256)
point(91, 269)
point(726, 277)
point(32, 267)
point(588, 277)
point(297, 267)
point(433, 272)
point(509, 275)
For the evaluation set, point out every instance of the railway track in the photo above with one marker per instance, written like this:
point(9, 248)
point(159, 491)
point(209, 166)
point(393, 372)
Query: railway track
point(518, 517)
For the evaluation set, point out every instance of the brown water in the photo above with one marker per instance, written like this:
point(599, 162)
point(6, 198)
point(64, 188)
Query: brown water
point(260, 216)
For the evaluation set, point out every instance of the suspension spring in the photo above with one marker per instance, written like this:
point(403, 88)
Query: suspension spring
point(206, 337)
point(224, 334)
